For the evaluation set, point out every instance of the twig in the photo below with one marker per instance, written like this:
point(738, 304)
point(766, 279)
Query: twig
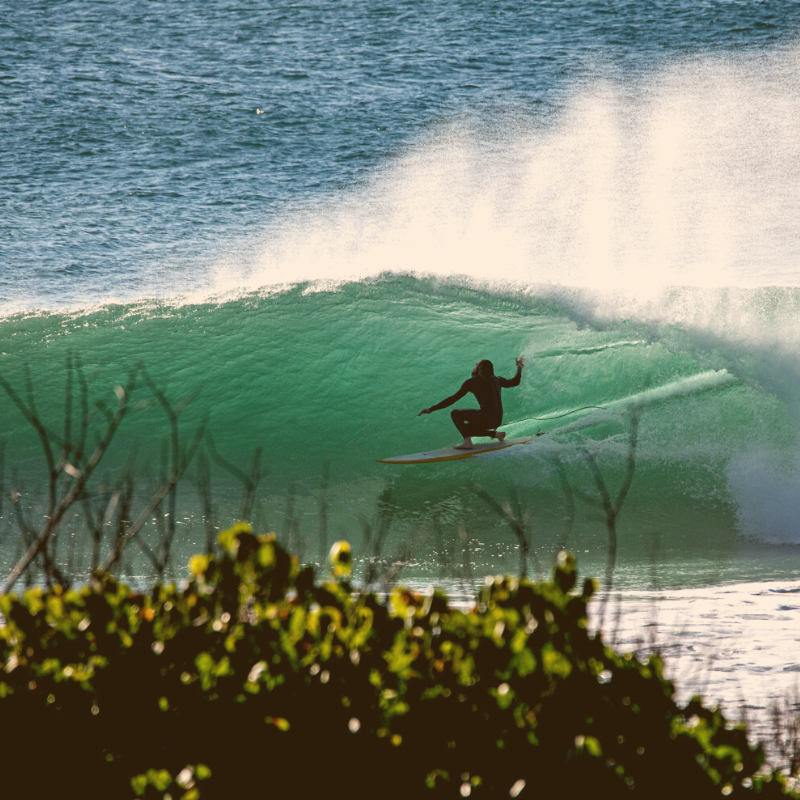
point(569, 502)
point(73, 488)
point(2, 481)
point(250, 479)
point(383, 522)
point(134, 529)
point(204, 490)
point(467, 558)
point(517, 519)
point(290, 526)
point(613, 508)
point(323, 512)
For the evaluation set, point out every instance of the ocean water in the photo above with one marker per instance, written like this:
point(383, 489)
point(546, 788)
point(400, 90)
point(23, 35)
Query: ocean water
point(311, 219)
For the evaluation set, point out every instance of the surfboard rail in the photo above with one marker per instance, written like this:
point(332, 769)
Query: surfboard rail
point(451, 454)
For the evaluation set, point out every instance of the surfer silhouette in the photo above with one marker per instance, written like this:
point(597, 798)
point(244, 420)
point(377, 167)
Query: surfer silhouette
point(483, 421)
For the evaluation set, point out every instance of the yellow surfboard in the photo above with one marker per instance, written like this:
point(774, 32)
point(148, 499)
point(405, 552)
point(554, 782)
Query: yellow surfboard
point(451, 454)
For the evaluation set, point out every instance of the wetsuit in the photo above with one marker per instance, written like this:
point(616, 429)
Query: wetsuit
point(481, 421)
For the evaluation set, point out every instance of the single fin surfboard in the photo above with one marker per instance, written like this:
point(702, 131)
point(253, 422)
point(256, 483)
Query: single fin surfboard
point(451, 454)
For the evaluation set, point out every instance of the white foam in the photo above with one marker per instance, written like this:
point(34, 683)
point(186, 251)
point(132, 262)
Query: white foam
point(767, 490)
point(687, 176)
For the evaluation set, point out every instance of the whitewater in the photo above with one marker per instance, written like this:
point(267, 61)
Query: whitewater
point(316, 227)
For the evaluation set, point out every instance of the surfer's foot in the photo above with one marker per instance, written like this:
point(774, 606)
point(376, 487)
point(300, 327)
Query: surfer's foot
point(465, 445)
point(499, 435)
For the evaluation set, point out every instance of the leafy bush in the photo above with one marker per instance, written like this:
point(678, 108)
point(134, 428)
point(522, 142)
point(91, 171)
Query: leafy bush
point(267, 680)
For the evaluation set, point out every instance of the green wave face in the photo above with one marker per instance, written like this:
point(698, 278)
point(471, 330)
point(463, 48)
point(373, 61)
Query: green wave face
point(338, 377)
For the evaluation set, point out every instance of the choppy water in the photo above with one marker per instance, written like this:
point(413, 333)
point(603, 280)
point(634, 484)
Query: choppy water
point(321, 215)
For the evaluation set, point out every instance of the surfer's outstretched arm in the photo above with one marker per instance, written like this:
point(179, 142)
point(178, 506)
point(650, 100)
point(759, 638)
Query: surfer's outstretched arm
point(447, 402)
point(508, 382)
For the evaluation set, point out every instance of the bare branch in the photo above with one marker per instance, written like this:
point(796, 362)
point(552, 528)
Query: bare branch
point(29, 412)
point(167, 487)
point(402, 558)
point(254, 479)
point(81, 445)
point(633, 440)
point(569, 501)
point(55, 516)
point(465, 551)
point(517, 520)
point(323, 512)
point(289, 525)
point(2, 473)
point(68, 412)
point(204, 490)
point(98, 526)
point(249, 480)
point(612, 509)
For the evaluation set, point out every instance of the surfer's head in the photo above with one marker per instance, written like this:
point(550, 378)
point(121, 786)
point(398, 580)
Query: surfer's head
point(484, 368)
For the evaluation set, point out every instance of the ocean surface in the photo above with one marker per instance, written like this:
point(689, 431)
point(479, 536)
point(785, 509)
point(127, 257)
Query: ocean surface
point(311, 219)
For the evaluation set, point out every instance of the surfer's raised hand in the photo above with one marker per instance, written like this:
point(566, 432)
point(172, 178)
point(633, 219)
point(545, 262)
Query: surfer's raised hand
point(520, 362)
point(424, 411)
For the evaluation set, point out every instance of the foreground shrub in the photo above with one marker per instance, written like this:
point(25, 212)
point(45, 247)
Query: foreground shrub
point(256, 680)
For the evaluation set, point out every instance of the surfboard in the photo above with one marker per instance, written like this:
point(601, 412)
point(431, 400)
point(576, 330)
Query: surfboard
point(451, 454)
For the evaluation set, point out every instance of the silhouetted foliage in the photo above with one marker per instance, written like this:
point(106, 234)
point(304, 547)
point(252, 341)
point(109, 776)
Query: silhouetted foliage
point(255, 676)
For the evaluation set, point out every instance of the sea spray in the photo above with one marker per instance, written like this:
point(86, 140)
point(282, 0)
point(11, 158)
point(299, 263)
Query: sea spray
point(685, 175)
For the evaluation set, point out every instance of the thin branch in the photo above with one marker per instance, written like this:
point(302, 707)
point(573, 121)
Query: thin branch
point(517, 520)
point(68, 411)
point(204, 490)
point(98, 526)
point(172, 417)
point(613, 508)
point(29, 412)
point(569, 502)
point(323, 512)
point(397, 564)
point(249, 480)
point(55, 516)
point(2, 474)
point(289, 526)
point(249, 495)
point(134, 529)
point(466, 556)
point(633, 440)
point(80, 447)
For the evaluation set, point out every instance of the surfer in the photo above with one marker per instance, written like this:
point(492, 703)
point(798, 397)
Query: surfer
point(483, 421)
